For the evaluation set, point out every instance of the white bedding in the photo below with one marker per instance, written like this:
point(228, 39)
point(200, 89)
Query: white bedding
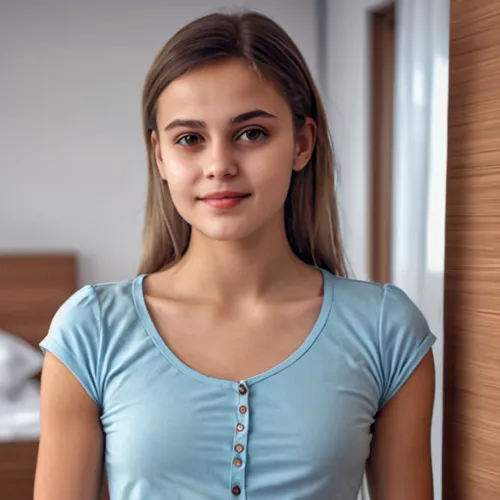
point(19, 392)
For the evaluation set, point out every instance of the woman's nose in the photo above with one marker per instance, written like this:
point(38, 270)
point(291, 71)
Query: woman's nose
point(221, 161)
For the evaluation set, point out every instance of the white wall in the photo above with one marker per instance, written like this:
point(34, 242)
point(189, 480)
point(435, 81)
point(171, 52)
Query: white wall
point(72, 161)
point(348, 96)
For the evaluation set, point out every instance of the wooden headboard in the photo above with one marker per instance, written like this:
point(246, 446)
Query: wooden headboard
point(32, 287)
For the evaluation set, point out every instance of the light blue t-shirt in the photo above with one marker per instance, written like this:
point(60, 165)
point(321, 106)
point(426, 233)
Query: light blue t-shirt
point(300, 431)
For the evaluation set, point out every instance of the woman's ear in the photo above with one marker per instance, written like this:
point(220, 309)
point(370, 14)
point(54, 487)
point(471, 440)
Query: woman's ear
point(305, 141)
point(155, 143)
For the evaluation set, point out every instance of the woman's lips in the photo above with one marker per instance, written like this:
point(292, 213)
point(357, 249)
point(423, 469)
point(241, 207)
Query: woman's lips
point(224, 199)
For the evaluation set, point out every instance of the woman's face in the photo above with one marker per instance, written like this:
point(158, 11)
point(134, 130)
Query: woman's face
point(226, 147)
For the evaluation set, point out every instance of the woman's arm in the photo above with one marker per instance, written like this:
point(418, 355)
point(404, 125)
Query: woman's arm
point(71, 444)
point(400, 458)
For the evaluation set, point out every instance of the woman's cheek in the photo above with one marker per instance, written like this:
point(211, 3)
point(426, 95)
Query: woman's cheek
point(275, 175)
point(181, 183)
point(180, 175)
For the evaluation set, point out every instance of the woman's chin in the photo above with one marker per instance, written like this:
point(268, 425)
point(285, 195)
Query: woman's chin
point(224, 232)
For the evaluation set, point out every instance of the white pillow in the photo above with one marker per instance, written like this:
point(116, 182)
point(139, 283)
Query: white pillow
point(19, 361)
point(20, 417)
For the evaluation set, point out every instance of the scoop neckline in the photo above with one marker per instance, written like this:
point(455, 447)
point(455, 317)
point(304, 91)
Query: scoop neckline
point(151, 330)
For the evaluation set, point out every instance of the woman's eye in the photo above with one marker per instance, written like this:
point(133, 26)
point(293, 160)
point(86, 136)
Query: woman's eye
point(189, 140)
point(252, 134)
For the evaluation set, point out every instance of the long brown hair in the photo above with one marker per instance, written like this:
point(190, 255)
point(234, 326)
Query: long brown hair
point(311, 215)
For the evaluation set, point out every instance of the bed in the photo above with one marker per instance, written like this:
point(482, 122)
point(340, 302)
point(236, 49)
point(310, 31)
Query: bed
point(32, 287)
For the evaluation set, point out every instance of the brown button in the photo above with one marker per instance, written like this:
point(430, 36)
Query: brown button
point(240, 427)
point(243, 409)
point(239, 448)
point(237, 462)
point(243, 389)
point(236, 490)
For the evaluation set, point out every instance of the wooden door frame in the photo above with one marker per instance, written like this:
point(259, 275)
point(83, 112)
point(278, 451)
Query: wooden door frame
point(382, 97)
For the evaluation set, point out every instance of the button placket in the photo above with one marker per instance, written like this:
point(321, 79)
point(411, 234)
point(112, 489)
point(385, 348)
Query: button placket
point(239, 459)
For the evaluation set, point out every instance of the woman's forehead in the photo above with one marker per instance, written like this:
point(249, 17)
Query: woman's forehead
point(224, 90)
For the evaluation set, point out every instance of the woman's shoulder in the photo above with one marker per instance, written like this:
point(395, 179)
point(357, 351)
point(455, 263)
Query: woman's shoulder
point(90, 301)
point(382, 313)
point(79, 333)
point(356, 297)
point(351, 285)
point(383, 325)
point(84, 316)
point(367, 296)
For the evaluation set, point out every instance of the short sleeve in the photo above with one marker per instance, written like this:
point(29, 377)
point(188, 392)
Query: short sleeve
point(404, 340)
point(74, 338)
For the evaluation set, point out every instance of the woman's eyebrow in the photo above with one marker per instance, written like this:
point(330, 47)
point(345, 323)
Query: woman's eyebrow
point(256, 113)
point(198, 124)
point(185, 123)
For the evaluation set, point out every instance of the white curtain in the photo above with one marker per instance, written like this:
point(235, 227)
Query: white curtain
point(419, 163)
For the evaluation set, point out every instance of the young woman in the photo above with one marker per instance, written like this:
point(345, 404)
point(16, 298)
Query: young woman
point(241, 362)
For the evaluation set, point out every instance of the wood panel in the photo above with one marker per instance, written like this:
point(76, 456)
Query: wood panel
point(471, 446)
point(32, 287)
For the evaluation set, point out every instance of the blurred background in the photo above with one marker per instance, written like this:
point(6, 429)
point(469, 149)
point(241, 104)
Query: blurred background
point(73, 172)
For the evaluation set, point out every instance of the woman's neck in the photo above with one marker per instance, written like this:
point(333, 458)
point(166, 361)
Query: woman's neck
point(263, 265)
